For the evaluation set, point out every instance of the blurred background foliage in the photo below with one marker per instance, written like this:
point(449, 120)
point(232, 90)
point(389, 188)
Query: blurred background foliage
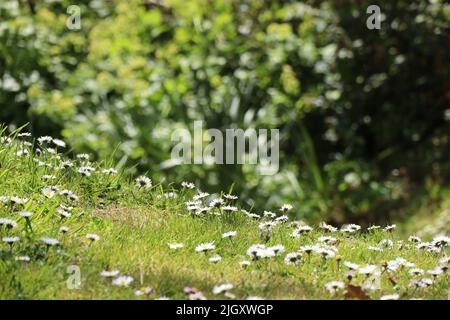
point(364, 115)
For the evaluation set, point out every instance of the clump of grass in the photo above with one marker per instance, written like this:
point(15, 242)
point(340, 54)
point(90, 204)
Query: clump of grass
point(72, 228)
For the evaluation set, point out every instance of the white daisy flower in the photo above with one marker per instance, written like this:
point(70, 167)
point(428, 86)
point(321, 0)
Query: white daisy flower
point(286, 207)
point(49, 241)
point(215, 259)
point(48, 193)
point(229, 234)
point(123, 281)
point(222, 288)
point(93, 237)
point(334, 286)
point(204, 247)
point(394, 296)
point(110, 274)
point(144, 291)
point(188, 185)
point(293, 258)
point(175, 245)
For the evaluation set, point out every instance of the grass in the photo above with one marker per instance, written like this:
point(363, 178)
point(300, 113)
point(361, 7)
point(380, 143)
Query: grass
point(136, 223)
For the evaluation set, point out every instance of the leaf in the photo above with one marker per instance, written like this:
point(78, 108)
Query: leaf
point(355, 292)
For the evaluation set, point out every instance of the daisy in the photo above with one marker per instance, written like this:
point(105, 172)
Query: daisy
point(49, 241)
point(350, 228)
point(326, 239)
point(229, 234)
point(215, 259)
point(244, 263)
point(390, 228)
point(301, 230)
point(10, 240)
point(64, 229)
point(394, 296)
point(188, 185)
point(123, 281)
point(367, 270)
point(416, 272)
point(334, 286)
point(83, 156)
point(200, 195)
point(282, 218)
point(48, 193)
point(93, 237)
point(269, 214)
point(277, 249)
point(26, 214)
point(293, 258)
point(374, 227)
point(351, 266)
point(286, 207)
point(414, 239)
point(144, 291)
point(435, 272)
point(230, 197)
point(204, 247)
point(327, 227)
point(110, 274)
point(222, 288)
point(8, 223)
point(110, 171)
point(63, 213)
point(229, 208)
point(45, 139)
point(59, 143)
point(175, 245)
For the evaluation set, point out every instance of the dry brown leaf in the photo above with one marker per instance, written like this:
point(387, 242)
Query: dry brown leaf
point(355, 292)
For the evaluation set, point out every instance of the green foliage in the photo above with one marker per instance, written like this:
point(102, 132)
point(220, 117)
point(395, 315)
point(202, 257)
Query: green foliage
point(362, 113)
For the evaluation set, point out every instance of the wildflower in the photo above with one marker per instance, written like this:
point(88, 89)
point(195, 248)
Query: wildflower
point(83, 156)
point(63, 213)
point(230, 197)
point(250, 215)
point(48, 177)
point(326, 253)
point(64, 229)
point(374, 227)
point(8, 223)
point(334, 286)
point(293, 258)
point(26, 214)
point(229, 234)
point(414, 239)
point(282, 218)
point(387, 243)
point(196, 296)
point(244, 263)
point(229, 208)
point(59, 143)
point(144, 291)
point(85, 171)
point(301, 230)
point(48, 193)
point(110, 274)
point(372, 248)
point(394, 296)
point(109, 171)
point(329, 240)
point(277, 249)
point(188, 185)
point(22, 258)
point(216, 203)
point(351, 266)
point(435, 272)
point(206, 246)
point(49, 241)
point(441, 241)
point(45, 139)
point(367, 270)
point(327, 227)
point(350, 228)
point(269, 214)
point(215, 259)
point(307, 249)
point(286, 207)
point(222, 288)
point(390, 228)
point(123, 281)
point(200, 195)
point(10, 240)
point(93, 237)
point(416, 272)
point(175, 245)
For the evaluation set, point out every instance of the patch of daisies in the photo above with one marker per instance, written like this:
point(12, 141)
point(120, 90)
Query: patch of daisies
point(319, 248)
